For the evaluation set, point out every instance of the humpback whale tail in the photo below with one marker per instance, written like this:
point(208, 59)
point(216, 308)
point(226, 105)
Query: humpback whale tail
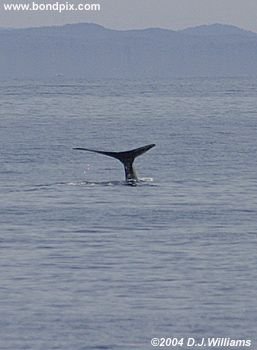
point(126, 158)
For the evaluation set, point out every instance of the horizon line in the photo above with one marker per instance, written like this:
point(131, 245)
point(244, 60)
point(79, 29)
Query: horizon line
point(128, 29)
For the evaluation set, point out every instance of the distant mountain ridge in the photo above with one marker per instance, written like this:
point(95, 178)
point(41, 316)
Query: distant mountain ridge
point(217, 29)
point(90, 51)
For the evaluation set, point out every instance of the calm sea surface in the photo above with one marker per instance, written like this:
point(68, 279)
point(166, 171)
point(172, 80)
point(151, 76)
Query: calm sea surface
point(87, 262)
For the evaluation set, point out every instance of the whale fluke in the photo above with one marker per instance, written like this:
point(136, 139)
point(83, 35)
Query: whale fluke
point(126, 158)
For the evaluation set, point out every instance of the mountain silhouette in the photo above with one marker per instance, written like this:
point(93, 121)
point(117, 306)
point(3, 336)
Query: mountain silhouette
point(90, 51)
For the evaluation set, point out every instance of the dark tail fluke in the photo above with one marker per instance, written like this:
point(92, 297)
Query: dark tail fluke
point(126, 158)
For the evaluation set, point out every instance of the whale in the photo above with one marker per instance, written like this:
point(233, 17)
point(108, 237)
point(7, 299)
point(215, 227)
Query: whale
point(126, 158)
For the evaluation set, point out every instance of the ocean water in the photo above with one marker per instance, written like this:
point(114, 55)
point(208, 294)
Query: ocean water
point(87, 262)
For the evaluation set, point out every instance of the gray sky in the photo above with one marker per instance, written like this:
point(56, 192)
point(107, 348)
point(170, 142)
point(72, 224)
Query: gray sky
point(125, 14)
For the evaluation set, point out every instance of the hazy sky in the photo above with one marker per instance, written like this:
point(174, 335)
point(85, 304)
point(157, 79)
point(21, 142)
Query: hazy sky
point(124, 14)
